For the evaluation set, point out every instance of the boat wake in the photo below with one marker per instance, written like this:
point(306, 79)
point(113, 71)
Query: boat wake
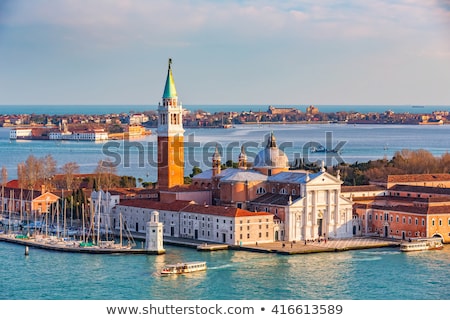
point(221, 267)
point(381, 253)
point(367, 259)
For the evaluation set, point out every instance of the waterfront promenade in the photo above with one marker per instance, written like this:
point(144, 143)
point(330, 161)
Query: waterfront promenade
point(299, 247)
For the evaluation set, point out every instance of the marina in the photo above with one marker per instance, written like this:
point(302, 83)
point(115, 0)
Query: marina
point(73, 246)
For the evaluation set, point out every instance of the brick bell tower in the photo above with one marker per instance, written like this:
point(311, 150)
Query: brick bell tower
point(170, 136)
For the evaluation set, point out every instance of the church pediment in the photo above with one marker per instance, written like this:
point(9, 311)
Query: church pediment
point(322, 179)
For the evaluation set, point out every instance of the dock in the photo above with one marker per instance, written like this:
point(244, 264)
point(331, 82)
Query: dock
point(212, 247)
point(278, 247)
point(74, 247)
point(333, 245)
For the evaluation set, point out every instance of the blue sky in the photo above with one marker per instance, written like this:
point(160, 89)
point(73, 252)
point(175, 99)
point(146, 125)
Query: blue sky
point(225, 52)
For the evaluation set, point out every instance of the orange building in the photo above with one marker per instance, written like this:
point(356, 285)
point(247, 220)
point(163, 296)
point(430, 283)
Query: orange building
point(405, 211)
point(23, 201)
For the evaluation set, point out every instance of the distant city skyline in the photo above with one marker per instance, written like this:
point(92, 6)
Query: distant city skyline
point(225, 52)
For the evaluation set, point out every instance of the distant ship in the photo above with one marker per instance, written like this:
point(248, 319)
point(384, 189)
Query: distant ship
point(418, 107)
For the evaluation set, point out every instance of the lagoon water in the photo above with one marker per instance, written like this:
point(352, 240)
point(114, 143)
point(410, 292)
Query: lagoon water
point(138, 157)
point(366, 274)
point(373, 274)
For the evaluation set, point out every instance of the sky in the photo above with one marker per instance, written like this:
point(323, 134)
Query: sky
point(265, 52)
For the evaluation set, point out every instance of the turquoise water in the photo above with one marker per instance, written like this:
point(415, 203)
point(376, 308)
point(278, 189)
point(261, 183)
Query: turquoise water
point(374, 274)
point(361, 143)
point(366, 275)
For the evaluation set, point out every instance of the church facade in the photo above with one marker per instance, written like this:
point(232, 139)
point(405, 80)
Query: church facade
point(305, 205)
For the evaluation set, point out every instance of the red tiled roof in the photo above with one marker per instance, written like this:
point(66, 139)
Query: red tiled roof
point(401, 208)
point(418, 177)
point(187, 206)
point(182, 188)
point(152, 204)
point(363, 188)
point(421, 189)
point(223, 211)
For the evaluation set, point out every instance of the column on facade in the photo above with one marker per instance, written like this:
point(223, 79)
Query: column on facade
point(314, 213)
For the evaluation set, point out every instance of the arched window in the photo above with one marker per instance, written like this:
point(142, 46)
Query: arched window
point(283, 191)
point(260, 190)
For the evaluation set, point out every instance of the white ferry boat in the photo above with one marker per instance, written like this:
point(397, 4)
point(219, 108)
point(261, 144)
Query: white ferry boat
point(184, 267)
point(422, 244)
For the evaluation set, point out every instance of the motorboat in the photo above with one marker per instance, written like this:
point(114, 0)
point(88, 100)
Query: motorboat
point(184, 267)
point(421, 245)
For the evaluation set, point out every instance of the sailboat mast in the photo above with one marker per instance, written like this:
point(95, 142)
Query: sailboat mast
point(82, 217)
point(98, 217)
point(57, 220)
point(120, 226)
point(64, 219)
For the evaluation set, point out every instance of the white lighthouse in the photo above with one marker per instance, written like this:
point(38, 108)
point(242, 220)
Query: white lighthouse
point(154, 235)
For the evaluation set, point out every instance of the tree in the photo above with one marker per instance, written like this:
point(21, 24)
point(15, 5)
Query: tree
point(4, 181)
point(49, 166)
point(195, 170)
point(105, 174)
point(69, 170)
point(4, 176)
point(36, 170)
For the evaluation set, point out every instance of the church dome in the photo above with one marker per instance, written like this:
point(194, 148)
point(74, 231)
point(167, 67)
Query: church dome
point(271, 156)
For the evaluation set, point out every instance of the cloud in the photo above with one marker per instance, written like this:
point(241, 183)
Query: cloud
point(118, 22)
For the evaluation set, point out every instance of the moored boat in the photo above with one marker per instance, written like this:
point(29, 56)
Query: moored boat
point(184, 267)
point(422, 244)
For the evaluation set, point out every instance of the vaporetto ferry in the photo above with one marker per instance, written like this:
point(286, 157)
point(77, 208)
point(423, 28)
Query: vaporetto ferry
point(184, 267)
point(422, 244)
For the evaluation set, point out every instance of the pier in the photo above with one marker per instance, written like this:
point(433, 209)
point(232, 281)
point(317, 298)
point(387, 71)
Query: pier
point(72, 246)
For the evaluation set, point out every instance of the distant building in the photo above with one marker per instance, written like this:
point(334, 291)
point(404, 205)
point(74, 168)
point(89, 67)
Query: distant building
point(52, 133)
point(273, 110)
point(21, 133)
point(312, 110)
point(137, 119)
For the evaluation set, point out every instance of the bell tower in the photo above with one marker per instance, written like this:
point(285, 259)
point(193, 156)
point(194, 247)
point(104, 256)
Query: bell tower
point(170, 136)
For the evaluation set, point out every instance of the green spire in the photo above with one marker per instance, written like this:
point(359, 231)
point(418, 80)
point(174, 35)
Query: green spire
point(169, 89)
